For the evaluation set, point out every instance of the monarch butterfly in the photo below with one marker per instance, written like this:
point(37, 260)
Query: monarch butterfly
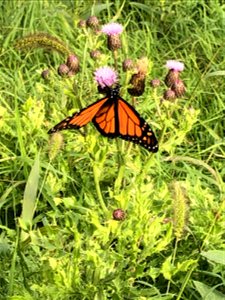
point(113, 117)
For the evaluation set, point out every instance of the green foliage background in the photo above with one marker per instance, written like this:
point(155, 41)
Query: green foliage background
point(58, 239)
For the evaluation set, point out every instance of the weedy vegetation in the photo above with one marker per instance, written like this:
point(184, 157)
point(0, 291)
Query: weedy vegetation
point(87, 217)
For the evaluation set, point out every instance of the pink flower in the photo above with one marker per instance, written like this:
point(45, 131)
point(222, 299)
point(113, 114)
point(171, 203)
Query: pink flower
point(175, 65)
point(112, 28)
point(105, 76)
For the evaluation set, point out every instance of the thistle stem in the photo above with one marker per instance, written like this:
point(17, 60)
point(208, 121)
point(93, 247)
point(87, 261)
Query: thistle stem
point(98, 189)
point(115, 57)
point(173, 260)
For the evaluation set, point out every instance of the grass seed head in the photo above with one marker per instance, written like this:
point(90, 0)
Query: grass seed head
point(180, 209)
point(55, 144)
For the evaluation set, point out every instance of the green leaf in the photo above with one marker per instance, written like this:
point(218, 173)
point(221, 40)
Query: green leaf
point(185, 265)
point(207, 292)
point(217, 256)
point(30, 193)
point(168, 268)
point(140, 6)
point(216, 73)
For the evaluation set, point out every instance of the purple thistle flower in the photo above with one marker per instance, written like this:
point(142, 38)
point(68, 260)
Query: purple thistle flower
point(105, 77)
point(112, 29)
point(175, 65)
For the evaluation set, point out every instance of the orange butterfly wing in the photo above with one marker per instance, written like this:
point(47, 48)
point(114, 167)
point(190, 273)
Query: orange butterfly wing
point(117, 118)
point(134, 128)
point(81, 118)
point(105, 119)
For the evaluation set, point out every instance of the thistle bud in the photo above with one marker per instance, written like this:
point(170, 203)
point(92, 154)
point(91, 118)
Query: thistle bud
point(138, 82)
point(172, 77)
point(114, 42)
point(128, 64)
point(63, 69)
point(95, 54)
point(155, 83)
point(169, 95)
point(71, 73)
point(92, 22)
point(82, 24)
point(166, 220)
point(45, 74)
point(73, 63)
point(179, 88)
point(119, 214)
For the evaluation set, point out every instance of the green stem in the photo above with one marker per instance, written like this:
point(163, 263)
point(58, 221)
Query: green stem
point(13, 264)
point(115, 57)
point(185, 282)
point(98, 189)
point(162, 135)
point(145, 168)
point(119, 179)
point(173, 260)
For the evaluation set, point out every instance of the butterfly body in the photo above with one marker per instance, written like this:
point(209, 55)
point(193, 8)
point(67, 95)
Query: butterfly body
point(113, 117)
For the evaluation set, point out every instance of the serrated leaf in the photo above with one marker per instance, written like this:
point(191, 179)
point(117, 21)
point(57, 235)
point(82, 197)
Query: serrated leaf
point(167, 268)
point(185, 265)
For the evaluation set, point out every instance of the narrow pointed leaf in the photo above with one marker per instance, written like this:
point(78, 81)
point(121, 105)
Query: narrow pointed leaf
point(30, 193)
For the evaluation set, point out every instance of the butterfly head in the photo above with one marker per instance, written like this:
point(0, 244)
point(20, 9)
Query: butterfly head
point(114, 91)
